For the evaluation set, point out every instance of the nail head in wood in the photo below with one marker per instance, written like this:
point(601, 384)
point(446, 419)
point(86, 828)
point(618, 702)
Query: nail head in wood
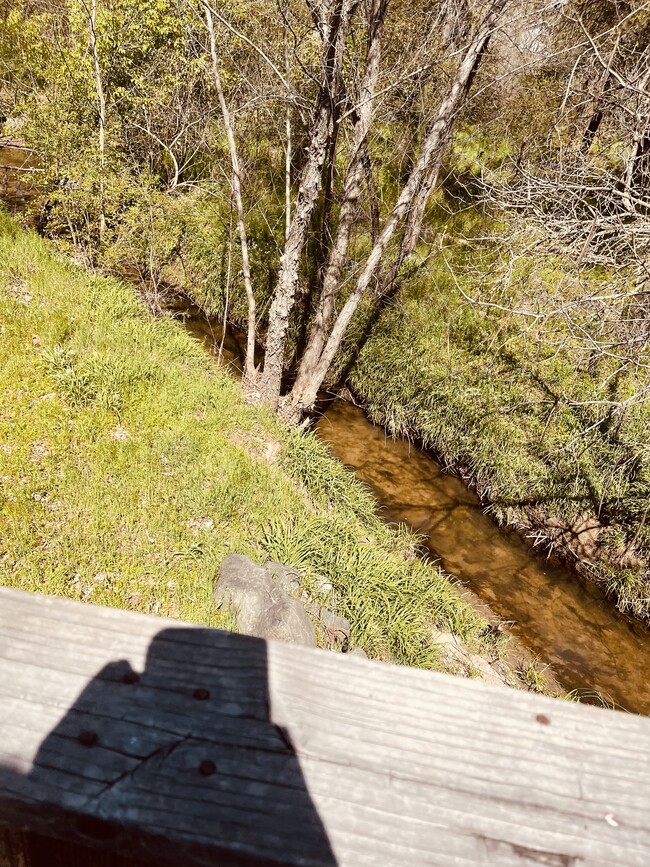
point(87, 739)
point(207, 768)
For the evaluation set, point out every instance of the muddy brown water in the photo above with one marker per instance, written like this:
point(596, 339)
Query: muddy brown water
point(17, 176)
point(568, 623)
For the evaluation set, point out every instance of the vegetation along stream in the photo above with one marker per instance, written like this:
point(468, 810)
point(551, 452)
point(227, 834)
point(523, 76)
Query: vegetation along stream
point(569, 623)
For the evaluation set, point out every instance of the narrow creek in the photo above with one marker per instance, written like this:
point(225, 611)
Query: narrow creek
point(568, 623)
point(16, 176)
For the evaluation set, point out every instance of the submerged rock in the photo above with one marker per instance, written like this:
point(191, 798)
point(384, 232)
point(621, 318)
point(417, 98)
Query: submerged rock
point(261, 606)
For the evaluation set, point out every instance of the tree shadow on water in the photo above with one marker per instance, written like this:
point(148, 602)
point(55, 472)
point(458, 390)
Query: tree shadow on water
point(180, 763)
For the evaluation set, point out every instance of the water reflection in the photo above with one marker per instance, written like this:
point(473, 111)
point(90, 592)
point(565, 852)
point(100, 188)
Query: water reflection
point(17, 173)
point(570, 625)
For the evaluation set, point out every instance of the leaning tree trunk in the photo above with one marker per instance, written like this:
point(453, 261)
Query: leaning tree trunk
point(438, 134)
point(306, 200)
point(417, 210)
point(249, 363)
point(351, 192)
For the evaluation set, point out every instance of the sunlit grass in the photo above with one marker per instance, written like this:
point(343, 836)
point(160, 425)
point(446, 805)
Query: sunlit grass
point(513, 414)
point(129, 467)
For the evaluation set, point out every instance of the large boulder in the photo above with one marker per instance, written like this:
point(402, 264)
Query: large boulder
point(285, 577)
point(261, 607)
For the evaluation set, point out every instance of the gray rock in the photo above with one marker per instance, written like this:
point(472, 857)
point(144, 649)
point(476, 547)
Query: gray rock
point(322, 587)
point(334, 623)
point(286, 577)
point(261, 607)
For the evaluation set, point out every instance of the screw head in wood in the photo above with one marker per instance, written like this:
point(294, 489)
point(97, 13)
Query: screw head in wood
point(87, 739)
point(207, 768)
point(201, 694)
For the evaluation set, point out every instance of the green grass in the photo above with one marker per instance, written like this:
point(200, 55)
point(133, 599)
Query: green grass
point(130, 466)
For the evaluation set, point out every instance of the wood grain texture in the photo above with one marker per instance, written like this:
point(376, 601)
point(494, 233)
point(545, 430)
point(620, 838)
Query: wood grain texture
point(297, 756)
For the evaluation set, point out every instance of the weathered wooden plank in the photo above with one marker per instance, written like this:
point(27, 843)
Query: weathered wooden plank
point(295, 756)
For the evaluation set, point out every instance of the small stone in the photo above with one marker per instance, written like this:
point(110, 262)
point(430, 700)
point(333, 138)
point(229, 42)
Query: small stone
point(200, 524)
point(322, 587)
point(485, 670)
point(272, 452)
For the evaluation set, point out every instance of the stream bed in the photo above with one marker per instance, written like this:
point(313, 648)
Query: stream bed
point(566, 621)
point(17, 172)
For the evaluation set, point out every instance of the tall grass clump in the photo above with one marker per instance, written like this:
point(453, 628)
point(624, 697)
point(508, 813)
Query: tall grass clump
point(388, 596)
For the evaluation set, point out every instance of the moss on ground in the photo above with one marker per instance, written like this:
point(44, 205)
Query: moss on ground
point(130, 466)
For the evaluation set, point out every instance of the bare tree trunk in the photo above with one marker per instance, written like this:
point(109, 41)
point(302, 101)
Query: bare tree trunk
point(638, 150)
point(101, 113)
point(309, 189)
point(436, 137)
point(416, 212)
point(287, 125)
point(414, 220)
point(249, 364)
point(351, 192)
point(595, 112)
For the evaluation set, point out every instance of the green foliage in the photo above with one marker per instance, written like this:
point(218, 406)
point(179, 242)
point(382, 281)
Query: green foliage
point(516, 407)
point(310, 461)
point(391, 600)
point(126, 471)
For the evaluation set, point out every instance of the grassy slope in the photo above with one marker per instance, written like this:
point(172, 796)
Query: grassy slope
point(467, 384)
point(129, 466)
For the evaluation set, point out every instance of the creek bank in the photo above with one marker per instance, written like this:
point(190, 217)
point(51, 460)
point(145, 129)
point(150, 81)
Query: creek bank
point(580, 544)
point(591, 651)
point(131, 466)
point(270, 602)
point(515, 665)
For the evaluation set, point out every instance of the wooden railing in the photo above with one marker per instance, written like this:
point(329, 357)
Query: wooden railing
point(128, 739)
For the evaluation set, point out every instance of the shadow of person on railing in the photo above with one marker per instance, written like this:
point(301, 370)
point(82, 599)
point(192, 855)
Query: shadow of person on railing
point(178, 764)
